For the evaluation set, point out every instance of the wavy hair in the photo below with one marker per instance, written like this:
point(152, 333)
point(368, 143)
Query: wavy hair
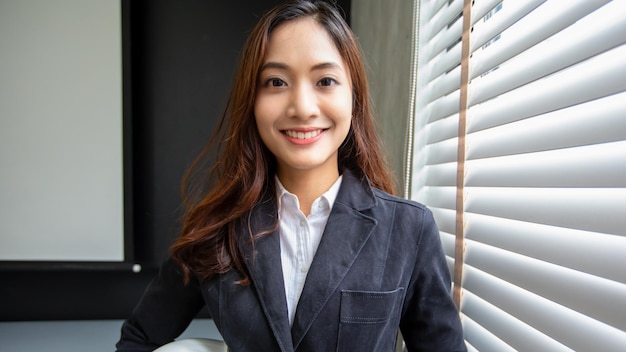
point(243, 170)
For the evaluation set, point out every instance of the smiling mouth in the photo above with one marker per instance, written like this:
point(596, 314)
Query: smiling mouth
point(303, 135)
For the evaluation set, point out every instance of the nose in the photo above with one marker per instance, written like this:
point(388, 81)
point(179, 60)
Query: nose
point(303, 103)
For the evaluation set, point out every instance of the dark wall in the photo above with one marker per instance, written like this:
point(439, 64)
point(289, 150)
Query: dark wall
point(181, 64)
point(184, 57)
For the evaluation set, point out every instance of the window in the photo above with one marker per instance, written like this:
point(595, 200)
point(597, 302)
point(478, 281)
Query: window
point(519, 149)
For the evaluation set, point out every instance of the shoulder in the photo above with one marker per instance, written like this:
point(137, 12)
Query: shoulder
point(402, 214)
point(359, 194)
point(386, 199)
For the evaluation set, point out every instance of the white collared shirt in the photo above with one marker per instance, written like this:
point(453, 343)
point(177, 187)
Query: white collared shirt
point(299, 238)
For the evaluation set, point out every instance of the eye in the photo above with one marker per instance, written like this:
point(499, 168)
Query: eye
point(275, 82)
point(326, 82)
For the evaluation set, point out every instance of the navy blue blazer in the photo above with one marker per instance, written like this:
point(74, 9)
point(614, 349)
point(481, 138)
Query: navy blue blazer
point(379, 267)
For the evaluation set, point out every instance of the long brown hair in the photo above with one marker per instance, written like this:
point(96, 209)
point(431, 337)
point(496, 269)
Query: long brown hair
point(243, 172)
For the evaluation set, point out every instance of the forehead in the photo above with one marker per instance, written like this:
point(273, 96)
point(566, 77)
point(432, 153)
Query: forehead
point(301, 38)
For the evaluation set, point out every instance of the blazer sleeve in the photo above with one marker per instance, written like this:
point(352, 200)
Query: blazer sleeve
point(430, 319)
point(164, 311)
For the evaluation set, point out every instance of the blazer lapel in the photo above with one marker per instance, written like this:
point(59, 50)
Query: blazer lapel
point(264, 265)
point(347, 230)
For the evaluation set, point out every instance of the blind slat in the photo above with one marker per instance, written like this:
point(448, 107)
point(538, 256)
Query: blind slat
point(507, 328)
point(445, 219)
point(511, 11)
point(595, 253)
point(565, 325)
point(470, 348)
point(598, 121)
point(443, 107)
point(430, 8)
point(549, 18)
point(553, 282)
point(446, 61)
point(442, 152)
point(444, 84)
point(441, 129)
point(439, 197)
point(590, 209)
point(594, 78)
point(572, 45)
point(482, 339)
point(445, 15)
point(481, 8)
point(446, 38)
point(441, 174)
point(605, 166)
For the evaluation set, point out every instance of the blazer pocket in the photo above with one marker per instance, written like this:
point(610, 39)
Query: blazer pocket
point(369, 320)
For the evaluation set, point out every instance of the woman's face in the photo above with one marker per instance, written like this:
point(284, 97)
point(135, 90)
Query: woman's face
point(303, 105)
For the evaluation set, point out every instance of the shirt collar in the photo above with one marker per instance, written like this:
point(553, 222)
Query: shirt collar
point(330, 195)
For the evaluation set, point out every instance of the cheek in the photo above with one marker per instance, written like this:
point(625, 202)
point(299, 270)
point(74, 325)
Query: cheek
point(268, 107)
point(349, 100)
point(347, 109)
point(262, 130)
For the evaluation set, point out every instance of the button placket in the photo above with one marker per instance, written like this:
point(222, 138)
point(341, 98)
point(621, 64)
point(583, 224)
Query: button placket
point(303, 235)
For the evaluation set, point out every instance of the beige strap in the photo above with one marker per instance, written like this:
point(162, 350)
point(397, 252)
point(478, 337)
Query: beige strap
point(459, 246)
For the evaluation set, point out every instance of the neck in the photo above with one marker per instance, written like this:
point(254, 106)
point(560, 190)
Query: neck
point(307, 186)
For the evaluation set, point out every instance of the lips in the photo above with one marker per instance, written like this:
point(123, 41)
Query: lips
point(304, 136)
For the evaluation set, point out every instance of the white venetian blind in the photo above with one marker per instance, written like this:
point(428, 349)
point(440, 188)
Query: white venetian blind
point(544, 168)
point(436, 109)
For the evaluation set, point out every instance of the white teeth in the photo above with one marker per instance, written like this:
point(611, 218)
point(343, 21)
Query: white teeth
point(302, 135)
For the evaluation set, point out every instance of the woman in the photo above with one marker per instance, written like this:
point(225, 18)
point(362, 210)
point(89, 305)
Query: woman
point(298, 245)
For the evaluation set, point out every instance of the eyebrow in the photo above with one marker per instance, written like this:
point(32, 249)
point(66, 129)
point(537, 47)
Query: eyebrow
point(282, 66)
